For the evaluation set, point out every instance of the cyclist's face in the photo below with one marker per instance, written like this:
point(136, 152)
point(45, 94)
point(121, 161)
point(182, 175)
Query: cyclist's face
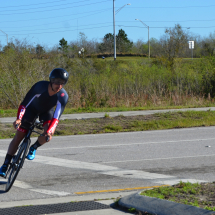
point(57, 84)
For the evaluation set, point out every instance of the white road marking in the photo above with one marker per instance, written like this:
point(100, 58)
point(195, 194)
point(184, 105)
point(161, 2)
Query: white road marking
point(50, 192)
point(128, 144)
point(151, 159)
point(110, 170)
point(113, 171)
point(100, 169)
point(24, 185)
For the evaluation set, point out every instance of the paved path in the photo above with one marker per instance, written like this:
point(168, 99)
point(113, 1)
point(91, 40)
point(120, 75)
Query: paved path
point(113, 114)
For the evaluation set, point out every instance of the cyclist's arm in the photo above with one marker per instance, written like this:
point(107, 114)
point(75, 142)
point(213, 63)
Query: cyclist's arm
point(21, 112)
point(27, 100)
point(58, 111)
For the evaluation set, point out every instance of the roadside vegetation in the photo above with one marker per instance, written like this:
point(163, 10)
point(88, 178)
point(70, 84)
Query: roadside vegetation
point(199, 195)
point(132, 81)
point(126, 124)
point(107, 84)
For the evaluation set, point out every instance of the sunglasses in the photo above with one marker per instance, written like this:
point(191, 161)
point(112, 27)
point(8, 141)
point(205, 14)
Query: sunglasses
point(58, 82)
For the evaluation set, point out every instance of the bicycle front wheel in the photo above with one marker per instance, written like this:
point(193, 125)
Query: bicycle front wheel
point(16, 164)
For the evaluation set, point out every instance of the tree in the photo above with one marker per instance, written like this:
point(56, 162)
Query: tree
point(39, 49)
point(174, 42)
point(63, 45)
point(10, 46)
point(107, 45)
point(123, 44)
point(208, 45)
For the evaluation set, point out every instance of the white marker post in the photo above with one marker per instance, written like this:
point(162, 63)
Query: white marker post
point(191, 46)
point(82, 51)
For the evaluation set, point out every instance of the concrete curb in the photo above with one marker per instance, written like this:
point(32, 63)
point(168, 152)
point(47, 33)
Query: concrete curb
point(159, 206)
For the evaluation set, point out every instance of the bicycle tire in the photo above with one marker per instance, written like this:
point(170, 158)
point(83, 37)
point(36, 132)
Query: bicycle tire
point(16, 164)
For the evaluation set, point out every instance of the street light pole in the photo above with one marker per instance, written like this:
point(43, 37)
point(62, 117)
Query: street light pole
point(148, 36)
point(6, 35)
point(114, 29)
point(114, 33)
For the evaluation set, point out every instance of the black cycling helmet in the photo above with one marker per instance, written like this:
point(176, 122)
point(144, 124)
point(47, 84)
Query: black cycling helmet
point(59, 73)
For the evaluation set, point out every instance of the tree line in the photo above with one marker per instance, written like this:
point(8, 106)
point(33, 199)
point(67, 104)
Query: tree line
point(173, 43)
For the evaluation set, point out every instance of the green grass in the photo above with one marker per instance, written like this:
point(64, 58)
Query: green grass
point(157, 121)
point(198, 195)
point(121, 123)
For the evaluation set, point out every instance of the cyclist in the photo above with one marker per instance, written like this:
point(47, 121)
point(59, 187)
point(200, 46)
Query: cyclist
point(40, 100)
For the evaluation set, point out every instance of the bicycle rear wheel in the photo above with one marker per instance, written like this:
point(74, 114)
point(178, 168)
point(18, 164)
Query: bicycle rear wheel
point(16, 164)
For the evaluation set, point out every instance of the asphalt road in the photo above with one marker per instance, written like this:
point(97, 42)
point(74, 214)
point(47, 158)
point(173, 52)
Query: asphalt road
point(75, 165)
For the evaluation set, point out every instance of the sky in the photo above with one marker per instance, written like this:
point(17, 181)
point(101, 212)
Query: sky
point(45, 22)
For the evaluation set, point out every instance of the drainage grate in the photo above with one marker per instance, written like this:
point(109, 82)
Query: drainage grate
point(54, 208)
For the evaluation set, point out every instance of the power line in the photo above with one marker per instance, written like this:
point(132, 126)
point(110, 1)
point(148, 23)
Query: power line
point(110, 0)
point(101, 23)
point(167, 27)
point(65, 30)
point(181, 7)
point(60, 27)
point(106, 9)
point(58, 8)
point(45, 6)
point(34, 4)
point(68, 20)
point(91, 28)
point(203, 20)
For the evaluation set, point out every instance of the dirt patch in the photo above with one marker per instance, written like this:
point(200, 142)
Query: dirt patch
point(202, 196)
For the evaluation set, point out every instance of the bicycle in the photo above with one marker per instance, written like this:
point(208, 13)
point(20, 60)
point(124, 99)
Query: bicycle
point(19, 158)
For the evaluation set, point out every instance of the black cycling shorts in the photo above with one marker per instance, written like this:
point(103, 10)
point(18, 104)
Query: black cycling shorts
point(30, 117)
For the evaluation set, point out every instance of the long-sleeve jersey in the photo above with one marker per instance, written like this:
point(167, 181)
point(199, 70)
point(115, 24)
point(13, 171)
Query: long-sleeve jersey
point(39, 101)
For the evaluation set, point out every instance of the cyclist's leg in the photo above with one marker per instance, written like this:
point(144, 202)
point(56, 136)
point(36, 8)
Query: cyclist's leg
point(15, 142)
point(46, 118)
point(28, 118)
point(11, 151)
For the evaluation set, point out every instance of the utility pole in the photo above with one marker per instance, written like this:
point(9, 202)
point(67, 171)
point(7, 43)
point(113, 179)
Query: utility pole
point(114, 32)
